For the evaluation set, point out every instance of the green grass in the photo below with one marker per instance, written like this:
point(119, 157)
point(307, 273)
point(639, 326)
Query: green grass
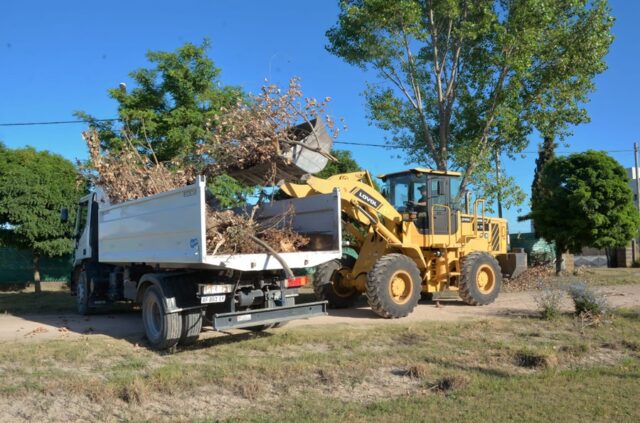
point(499, 370)
point(54, 298)
point(600, 276)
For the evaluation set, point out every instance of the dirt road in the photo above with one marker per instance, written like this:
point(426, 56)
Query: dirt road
point(26, 328)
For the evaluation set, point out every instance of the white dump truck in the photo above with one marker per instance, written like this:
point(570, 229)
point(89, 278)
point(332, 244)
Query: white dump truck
point(152, 251)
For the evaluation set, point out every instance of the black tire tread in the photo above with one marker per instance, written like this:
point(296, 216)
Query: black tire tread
point(467, 282)
point(191, 326)
point(172, 321)
point(376, 285)
point(324, 291)
point(83, 309)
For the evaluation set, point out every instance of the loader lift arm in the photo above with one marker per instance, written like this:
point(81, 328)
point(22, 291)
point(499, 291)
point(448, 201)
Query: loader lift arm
point(364, 204)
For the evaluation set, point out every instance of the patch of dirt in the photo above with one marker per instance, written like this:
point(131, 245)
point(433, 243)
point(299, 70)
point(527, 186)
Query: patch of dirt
point(507, 305)
point(195, 405)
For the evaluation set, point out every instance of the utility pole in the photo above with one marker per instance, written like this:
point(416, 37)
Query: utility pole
point(636, 173)
point(499, 195)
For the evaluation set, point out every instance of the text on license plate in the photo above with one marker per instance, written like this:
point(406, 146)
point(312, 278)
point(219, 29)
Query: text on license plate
point(212, 299)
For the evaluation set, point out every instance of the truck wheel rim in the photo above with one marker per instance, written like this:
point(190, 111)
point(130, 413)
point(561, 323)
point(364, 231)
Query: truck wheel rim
point(400, 287)
point(485, 279)
point(153, 319)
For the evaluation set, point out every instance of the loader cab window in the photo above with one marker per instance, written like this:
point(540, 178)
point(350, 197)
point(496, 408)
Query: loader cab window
point(457, 198)
point(400, 190)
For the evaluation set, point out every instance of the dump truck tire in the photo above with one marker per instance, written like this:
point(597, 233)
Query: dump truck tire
point(326, 283)
point(163, 329)
point(191, 326)
point(394, 286)
point(83, 293)
point(480, 280)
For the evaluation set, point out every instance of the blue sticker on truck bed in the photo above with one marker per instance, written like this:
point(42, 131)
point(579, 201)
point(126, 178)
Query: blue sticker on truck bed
point(193, 242)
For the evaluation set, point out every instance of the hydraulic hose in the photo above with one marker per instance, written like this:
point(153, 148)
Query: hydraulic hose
point(287, 270)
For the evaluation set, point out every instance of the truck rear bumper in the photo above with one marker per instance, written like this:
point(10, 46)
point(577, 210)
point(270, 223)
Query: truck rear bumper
point(244, 319)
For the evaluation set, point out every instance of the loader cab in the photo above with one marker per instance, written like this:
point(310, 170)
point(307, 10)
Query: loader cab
point(426, 197)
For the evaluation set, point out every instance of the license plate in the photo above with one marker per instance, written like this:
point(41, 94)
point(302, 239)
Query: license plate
point(212, 299)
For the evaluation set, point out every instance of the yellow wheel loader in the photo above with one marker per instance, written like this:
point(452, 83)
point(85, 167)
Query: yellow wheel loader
point(416, 238)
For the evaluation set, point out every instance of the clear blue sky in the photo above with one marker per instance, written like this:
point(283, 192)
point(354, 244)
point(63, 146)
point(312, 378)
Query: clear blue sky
point(59, 57)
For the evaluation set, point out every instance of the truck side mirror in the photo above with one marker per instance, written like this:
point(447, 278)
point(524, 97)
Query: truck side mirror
point(64, 215)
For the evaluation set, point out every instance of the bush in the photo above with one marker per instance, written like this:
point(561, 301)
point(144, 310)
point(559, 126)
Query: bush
point(586, 301)
point(548, 302)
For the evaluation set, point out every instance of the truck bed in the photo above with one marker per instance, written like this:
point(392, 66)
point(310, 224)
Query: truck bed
point(168, 230)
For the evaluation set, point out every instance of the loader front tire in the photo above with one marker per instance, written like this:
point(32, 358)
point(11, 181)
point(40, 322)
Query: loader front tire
point(394, 286)
point(163, 330)
point(480, 279)
point(327, 283)
point(191, 326)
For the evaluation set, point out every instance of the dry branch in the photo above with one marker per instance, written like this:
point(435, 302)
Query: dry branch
point(126, 175)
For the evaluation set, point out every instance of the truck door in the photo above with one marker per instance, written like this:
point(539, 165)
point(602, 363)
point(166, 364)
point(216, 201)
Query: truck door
point(86, 230)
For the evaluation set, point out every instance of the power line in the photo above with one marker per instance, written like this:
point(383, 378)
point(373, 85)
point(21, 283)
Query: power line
point(361, 144)
point(58, 122)
point(364, 144)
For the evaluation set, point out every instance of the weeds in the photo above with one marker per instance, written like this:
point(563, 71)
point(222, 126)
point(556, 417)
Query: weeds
point(447, 384)
point(535, 360)
point(587, 302)
point(548, 302)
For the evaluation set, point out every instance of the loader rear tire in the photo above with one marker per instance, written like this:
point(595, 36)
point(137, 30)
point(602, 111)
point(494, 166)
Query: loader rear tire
point(191, 326)
point(394, 286)
point(480, 280)
point(327, 283)
point(163, 330)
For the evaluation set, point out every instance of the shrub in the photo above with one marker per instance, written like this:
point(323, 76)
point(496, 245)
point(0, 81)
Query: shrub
point(586, 301)
point(548, 302)
point(535, 360)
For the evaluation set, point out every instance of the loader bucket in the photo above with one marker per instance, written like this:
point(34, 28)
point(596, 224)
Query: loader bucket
point(298, 160)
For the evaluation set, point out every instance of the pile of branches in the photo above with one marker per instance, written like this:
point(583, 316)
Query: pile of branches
point(127, 174)
point(260, 130)
point(257, 131)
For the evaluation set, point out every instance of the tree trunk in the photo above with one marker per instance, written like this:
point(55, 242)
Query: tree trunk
point(499, 193)
point(36, 272)
point(559, 251)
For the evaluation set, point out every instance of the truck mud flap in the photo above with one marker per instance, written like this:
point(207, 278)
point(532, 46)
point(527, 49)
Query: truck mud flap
point(244, 319)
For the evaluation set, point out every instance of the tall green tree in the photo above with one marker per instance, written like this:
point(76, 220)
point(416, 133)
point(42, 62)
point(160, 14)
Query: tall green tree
point(458, 79)
point(171, 104)
point(587, 202)
point(34, 186)
point(344, 164)
point(169, 112)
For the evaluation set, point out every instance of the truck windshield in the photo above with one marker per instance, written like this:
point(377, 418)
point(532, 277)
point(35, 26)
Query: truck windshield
point(400, 189)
